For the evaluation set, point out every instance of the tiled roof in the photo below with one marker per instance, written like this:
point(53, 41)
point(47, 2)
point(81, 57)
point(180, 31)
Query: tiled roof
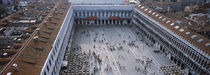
point(196, 39)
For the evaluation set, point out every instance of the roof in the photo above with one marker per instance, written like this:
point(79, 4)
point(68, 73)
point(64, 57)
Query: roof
point(195, 39)
point(97, 2)
point(32, 55)
point(103, 7)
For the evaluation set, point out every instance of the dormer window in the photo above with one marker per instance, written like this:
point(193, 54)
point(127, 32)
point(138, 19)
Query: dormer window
point(153, 13)
point(150, 11)
point(207, 44)
point(187, 33)
point(164, 19)
point(181, 30)
point(194, 36)
point(176, 27)
point(168, 22)
point(200, 40)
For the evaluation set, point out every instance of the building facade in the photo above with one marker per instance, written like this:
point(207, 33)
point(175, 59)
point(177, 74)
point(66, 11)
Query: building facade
point(185, 54)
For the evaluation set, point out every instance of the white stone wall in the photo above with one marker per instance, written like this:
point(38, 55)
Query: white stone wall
point(55, 58)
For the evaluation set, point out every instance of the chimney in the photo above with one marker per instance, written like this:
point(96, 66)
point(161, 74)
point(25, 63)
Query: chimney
point(15, 67)
point(36, 39)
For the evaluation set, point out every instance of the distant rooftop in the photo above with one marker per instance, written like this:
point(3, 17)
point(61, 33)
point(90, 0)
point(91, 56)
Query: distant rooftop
point(98, 2)
point(103, 7)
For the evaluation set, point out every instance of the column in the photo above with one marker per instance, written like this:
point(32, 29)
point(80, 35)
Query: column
point(123, 14)
point(104, 21)
point(118, 22)
point(85, 14)
point(105, 14)
point(82, 22)
point(102, 14)
point(78, 22)
point(78, 14)
point(120, 14)
point(115, 22)
point(86, 22)
point(82, 14)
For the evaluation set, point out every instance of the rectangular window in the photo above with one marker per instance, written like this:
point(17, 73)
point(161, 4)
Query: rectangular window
point(79, 13)
point(102, 13)
point(47, 68)
point(52, 57)
point(76, 14)
point(91, 13)
point(45, 73)
point(50, 62)
point(56, 48)
point(53, 52)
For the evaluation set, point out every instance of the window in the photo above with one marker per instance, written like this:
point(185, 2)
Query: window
point(194, 36)
point(102, 13)
point(99, 13)
point(187, 33)
point(164, 19)
point(57, 44)
point(181, 30)
point(87, 13)
point(153, 13)
point(200, 40)
point(52, 57)
point(207, 44)
point(76, 14)
point(145, 9)
point(53, 52)
point(142, 7)
point(118, 13)
point(176, 27)
point(50, 62)
point(149, 11)
point(47, 68)
point(79, 13)
point(91, 13)
point(56, 48)
point(168, 22)
point(95, 14)
point(107, 14)
point(45, 73)
point(160, 17)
